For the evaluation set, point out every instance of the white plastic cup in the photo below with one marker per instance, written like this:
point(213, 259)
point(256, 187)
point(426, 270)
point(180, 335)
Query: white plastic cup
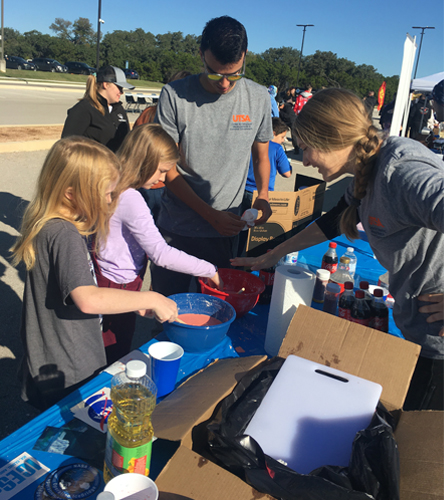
point(132, 484)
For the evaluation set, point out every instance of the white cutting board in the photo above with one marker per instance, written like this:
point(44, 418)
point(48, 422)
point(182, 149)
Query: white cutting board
point(308, 419)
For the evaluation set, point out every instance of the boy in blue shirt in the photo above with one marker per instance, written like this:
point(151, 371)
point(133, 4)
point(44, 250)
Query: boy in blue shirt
point(278, 163)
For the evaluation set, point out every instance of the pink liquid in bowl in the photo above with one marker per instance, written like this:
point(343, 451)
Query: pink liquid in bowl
point(199, 319)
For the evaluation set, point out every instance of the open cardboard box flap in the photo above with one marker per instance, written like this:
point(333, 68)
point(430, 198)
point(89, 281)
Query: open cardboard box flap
point(188, 476)
point(195, 400)
point(327, 340)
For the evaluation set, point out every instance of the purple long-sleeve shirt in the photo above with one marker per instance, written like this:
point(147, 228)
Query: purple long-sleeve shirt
point(133, 236)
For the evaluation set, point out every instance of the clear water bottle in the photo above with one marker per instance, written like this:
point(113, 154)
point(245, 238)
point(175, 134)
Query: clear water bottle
point(342, 273)
point(350, 253)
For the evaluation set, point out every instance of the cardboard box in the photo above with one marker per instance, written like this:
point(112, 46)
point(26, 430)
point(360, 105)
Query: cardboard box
point(327, 340)
point(292, 211)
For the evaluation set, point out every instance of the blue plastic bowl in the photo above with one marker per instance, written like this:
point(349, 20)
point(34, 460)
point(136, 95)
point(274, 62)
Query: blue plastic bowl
point(200, 338)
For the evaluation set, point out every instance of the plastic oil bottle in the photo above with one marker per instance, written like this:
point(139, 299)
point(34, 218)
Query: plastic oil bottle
point(130, 432)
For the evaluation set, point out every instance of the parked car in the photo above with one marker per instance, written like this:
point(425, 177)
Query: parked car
point(80, 68)
point(14, 62)
point(46, 64)
point(132, 74)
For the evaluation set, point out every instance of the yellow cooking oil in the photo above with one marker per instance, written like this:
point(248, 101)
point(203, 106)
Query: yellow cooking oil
point(130, 431)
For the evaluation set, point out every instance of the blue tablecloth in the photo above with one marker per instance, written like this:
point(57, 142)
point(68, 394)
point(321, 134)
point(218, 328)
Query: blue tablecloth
point(246, 337)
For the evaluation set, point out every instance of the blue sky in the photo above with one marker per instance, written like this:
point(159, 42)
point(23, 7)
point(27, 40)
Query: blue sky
point(370, 33)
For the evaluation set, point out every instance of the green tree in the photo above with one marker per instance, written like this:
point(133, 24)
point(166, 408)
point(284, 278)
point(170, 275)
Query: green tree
point(62, 28)
point(83, 32)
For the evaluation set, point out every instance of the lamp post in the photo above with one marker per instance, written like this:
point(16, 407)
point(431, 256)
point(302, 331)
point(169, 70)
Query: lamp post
point(99, 22)
point(302, 48)
point(420, 43)
point(2, 53)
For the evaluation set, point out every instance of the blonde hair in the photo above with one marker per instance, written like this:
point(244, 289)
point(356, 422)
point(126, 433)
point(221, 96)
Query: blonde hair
point(140, 154)
point(92, 93)
point(334, 119)
point(82, 167)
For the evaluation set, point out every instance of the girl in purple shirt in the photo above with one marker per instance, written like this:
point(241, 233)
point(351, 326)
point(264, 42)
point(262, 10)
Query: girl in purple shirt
point(146, 155)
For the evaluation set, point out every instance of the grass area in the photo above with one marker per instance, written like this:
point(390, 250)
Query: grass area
point(68, 78)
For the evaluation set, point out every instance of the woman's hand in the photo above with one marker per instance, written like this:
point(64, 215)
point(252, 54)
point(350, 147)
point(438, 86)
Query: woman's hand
point(265, 260)
point(216, 282)
point(435, 309)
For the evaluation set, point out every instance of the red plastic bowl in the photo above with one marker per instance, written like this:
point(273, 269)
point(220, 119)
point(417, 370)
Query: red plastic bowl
point(234, 280)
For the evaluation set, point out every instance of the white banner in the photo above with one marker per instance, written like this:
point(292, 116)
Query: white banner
point(402, 104)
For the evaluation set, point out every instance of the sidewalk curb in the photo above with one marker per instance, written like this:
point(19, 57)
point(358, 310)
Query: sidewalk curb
point(15, 147)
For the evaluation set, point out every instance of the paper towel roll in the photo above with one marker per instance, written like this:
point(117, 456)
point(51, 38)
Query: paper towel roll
point(293, 285)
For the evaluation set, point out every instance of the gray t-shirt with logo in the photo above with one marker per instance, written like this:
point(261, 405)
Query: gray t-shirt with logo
point(215, 133)
point(59, 340)
point(403, 217)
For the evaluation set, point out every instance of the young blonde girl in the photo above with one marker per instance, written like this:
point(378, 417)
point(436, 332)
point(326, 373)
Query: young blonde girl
point(60, 325)
point(146, 155)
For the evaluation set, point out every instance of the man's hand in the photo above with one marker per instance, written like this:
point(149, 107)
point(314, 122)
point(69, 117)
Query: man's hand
point(226, 223)
point(435, 309)
point(264, 207)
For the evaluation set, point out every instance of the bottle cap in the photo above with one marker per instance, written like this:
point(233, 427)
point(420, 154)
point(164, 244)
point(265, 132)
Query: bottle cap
point(348, 285)
point(359, 294)
point(345, 260)
point(135, 369)
point(333, 288)
point(350, 249)
point(378, 292)
point(323, 274)
point(106, 495)
point(332, 244)
point(363, 285)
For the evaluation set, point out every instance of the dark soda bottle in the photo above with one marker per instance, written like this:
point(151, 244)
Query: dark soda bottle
point(346, 300)
point(331, 298)
point(360, 312)
point(364, 286)
point(380, 311)
point(267, 276)
point(330, 258)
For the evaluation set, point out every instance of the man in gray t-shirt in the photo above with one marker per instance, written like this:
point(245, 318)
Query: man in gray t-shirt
point(218, 119)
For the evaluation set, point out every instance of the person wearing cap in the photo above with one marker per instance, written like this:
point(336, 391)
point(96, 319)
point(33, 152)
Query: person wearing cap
point(218, 118)
point(100, 115)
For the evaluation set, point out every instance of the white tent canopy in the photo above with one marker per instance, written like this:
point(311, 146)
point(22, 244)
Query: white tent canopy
point(427, 83)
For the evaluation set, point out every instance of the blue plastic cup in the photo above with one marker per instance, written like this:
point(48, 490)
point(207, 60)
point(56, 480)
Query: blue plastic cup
point(165, 361)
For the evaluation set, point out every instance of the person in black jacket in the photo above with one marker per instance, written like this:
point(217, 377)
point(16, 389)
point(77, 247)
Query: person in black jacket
point(100, 115)
point(288, 116)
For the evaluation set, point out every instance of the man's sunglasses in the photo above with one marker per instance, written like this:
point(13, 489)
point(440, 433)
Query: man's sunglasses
point(217, 77)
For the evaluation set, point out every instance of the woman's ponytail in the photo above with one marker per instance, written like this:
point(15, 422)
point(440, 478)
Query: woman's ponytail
point(366, 150)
